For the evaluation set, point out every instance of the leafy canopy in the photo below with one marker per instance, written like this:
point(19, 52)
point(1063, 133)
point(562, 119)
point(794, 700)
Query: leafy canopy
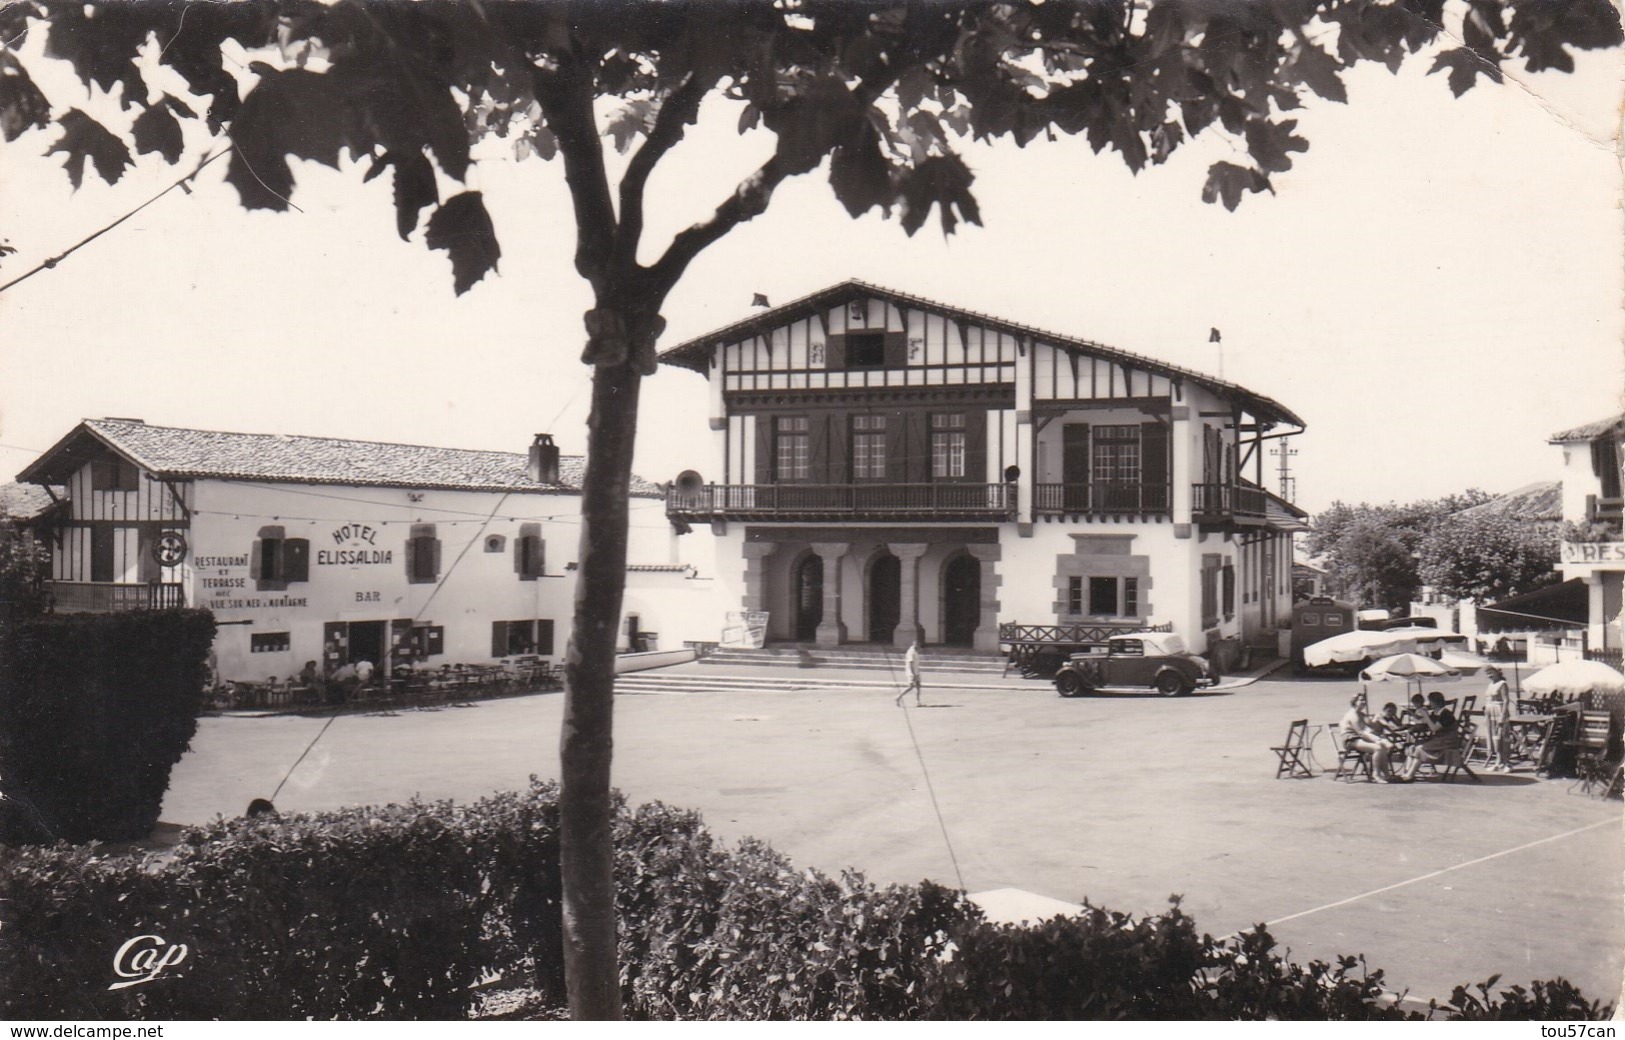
point(879, 93)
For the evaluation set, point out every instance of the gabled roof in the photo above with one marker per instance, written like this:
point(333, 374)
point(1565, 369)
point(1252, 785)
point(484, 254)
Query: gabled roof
point(694, 354)
point(1539, 502)
point(27, 501)
point(1590, 431)
point(176, 453)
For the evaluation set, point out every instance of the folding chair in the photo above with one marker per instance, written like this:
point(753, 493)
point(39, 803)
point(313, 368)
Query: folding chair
point(1590, 750)
point(1292, 765)
point(1468, 703)
point(1352, 763)
point(1479, 747)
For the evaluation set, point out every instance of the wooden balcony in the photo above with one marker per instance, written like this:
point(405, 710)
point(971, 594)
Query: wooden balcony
point(1102, 498)
point(1226, 503)
point(1600, 510)
point(106, 597)
point(914, 502)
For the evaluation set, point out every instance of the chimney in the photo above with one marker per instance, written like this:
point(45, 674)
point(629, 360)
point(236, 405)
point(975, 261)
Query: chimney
point(543, 467)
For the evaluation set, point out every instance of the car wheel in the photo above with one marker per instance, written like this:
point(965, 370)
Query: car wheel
point(1069, 684)
point(1172, 684)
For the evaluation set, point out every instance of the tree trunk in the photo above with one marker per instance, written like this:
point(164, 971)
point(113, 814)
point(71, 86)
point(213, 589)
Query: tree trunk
point(586, 742)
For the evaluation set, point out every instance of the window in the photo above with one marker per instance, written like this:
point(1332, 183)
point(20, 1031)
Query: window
point(791, 454)
point(277, 560)
point(268, 642)
point(1108, 597)
point(1127, 648)
point(495, 543)
point(1131, 597)
point(869, 447)
point(509, 638)
point(529, 552)
point(101, 553)
point(1116, 454)
point(865, 350)
point(1074, 595)
point(1310, 620)
point(113, 475)
point(947, 446)
point(422, 555)
point(428, 641)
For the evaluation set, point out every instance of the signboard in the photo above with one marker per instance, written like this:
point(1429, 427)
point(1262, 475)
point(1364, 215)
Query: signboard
point(746, 629)
point(1608, 556)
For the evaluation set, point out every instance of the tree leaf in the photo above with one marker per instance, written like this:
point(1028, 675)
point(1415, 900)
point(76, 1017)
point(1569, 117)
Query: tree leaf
point(1269, 143)
point(860, 175)
point(294, 112)
point(157, 130)
point(1227, 181)
point(84, 138)
point(414, 189)
point(462, 227)
point(1318, 71)
point(21, 103)
point(631, 122)
point(1464, 66)
point(944, 181)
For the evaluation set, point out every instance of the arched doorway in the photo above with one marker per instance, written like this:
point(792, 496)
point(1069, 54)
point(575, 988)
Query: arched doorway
point(809, 597)
point(961, 600)
point(885, 597)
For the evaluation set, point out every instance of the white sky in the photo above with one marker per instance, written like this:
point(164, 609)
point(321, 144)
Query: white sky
point(1435, 288)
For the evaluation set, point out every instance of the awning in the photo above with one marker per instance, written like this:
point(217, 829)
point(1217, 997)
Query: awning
point(1565, 605)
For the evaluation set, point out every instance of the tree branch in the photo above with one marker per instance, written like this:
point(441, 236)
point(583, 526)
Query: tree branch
point(748, 200)
point(565, 94)
point(678, 110)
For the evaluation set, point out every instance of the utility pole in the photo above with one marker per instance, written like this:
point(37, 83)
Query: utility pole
point(1288, 481)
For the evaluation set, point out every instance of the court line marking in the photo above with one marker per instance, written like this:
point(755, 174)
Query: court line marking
point(1436, 873)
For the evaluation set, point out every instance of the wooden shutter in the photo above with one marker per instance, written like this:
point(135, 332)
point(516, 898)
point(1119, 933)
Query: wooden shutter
point(976, 446)
point(434, 642)
point(527, 555)
point(764, 449)
point(835, 351)
point(1154, 467)
point(544, 636)
point(1075, 466)
point(400, 641)
point(499, 639)
point(896, 349)
point(296, 559)
point(839, 460)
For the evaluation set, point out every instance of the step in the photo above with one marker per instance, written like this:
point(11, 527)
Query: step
point(863, 657)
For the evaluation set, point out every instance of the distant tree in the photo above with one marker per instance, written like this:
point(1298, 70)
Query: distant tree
point(1372, 553)
point(879, 92)
point(25, 566)
point(1484, 557)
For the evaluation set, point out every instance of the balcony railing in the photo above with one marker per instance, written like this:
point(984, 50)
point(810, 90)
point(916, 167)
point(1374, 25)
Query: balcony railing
point(1210, 502)
point(1101, 496)
point(105, 597)
point(842, 501)
point(1601, 510)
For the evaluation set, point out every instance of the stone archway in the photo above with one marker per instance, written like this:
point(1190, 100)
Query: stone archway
point(883, 595)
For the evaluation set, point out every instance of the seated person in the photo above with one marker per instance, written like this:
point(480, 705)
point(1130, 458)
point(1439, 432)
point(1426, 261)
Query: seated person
point(1416, 712)
point(1389, 724)
point(1444, 737)
point(1357, 734)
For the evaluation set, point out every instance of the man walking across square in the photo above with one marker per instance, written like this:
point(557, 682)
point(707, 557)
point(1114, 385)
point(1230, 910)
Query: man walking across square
point(911, 668)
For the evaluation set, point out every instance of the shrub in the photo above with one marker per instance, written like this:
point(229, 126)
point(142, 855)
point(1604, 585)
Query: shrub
point(95, 710)
point(397, 912)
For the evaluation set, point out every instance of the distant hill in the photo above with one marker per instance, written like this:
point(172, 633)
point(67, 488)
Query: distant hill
point(1540, 502)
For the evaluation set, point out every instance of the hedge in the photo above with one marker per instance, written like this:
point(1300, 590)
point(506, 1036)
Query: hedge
point(95, 710)
point(399, 912)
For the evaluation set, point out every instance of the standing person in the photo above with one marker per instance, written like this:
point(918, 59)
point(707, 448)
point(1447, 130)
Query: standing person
point(911, 668)
point(1497, 710)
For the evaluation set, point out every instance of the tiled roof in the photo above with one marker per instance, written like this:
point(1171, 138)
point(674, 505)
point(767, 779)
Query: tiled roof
point(1538, 502)
point(175, 453)
point(694, 354)
point(1589, 430)
point(25, 501)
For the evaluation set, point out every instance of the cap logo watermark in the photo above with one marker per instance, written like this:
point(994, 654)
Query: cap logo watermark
point(144, 958)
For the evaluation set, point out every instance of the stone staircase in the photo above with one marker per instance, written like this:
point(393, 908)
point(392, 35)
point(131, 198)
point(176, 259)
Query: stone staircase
point(933, 660)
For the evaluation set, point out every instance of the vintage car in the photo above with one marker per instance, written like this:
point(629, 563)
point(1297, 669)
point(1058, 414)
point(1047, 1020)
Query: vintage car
point(1139, 660)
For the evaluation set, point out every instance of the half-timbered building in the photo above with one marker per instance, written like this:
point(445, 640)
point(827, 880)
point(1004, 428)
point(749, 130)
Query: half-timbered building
point(337, 551)
point(885, 468)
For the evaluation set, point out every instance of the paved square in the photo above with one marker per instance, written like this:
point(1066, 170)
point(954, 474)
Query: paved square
point(1121, 800)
